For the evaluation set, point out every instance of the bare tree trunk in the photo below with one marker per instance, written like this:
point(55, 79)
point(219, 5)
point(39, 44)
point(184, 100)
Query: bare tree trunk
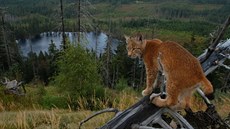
point(6, 43)
point(96, 45)
point(216, 38)
point(107, 62)
point(114, 77)
point(63, 26)
point(78, 20)
point(108, 55)
point(33, 61)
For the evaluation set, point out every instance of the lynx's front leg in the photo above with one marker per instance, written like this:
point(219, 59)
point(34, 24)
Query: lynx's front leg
point(151, 73)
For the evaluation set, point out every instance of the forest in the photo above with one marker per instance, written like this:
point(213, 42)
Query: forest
point(74, 78)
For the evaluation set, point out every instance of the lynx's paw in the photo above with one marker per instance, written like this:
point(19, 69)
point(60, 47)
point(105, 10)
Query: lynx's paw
point(146, 92)
point(159, 102)
point(154, 100)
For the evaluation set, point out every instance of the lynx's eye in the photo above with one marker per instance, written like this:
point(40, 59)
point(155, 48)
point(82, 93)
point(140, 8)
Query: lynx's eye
point(136, 48)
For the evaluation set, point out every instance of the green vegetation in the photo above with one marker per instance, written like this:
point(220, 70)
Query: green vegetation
point(25, 113)
point(78, 75)
point(27, 18)
point(64, 82)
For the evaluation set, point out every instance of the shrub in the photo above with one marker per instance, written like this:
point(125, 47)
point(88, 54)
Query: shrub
point(51, 101)
point(78, 74)
point(122, 84)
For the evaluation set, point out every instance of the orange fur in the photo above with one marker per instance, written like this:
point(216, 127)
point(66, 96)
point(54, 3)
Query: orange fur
point(182, 70)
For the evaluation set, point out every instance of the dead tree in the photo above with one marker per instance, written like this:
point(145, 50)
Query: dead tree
point(4, 34)
point(63, 25)
point(78, 20)
point(82, 13)
point(13, 87)
point(216, 37)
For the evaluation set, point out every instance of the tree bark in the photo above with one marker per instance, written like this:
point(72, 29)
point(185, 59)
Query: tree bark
point(5, 42)
point(78, 20)
point(218, 35)
point(63, 26)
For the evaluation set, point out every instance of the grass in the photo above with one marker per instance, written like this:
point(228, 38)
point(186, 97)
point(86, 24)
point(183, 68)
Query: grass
point(40, 119)
point(50, 119)
point(222, 103)
point(37, 117)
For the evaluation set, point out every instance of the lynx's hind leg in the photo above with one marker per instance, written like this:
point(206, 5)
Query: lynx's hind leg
point(172, 97)
point(176, 99)
point(185, 99)
point(182, 102)
point(169, 101)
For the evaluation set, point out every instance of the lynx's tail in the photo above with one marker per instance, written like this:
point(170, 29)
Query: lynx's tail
point(207, 88)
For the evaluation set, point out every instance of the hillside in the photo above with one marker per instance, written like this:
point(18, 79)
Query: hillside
point(44, 15)
point(188, 9)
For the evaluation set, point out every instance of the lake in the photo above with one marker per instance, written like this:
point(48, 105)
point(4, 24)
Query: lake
point(90, 40)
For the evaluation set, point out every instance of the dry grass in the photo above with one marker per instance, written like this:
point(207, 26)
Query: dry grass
point(221, 102)
point(49, 119)
point(41, 119)
point(38, 118)
point(116, 99)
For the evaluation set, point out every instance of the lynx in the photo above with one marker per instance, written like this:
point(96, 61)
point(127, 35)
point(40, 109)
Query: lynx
point(181, 69)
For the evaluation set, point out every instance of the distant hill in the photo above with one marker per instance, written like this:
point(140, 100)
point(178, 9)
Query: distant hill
point(210, 10)
point(31, 17)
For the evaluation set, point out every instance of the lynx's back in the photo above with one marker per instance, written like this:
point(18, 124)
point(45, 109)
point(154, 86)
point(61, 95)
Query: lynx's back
point(180, 65)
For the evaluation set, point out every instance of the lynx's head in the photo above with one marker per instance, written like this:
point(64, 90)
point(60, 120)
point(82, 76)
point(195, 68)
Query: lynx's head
point(134, 46)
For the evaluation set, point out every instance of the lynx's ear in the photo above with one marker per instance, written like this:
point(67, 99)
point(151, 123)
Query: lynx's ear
point(126, 38)
point(139, 37)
